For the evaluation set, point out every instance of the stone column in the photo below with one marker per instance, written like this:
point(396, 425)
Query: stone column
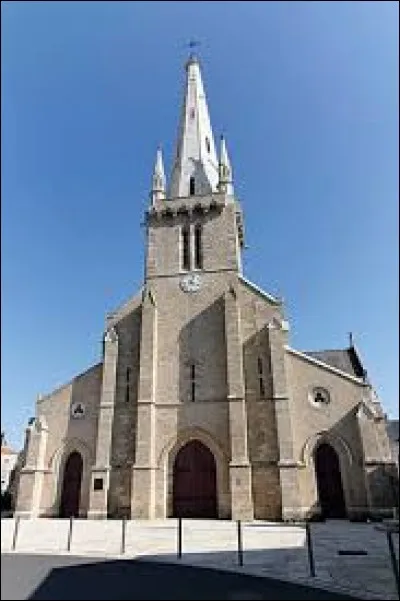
point(239, 467)
point(100, 480)
point(32, 474)
point(288, 466)
point(143, 480)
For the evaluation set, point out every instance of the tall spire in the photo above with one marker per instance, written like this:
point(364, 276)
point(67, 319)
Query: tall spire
point(195, 169)
point(158, 181)
point(224, 170)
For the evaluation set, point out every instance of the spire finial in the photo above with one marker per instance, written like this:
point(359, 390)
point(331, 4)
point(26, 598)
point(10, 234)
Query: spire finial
point(351, 341)
point(158, 182)
point(224, 170)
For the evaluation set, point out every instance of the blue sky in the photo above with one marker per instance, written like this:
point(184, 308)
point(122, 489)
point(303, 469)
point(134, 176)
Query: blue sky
point(307, 96)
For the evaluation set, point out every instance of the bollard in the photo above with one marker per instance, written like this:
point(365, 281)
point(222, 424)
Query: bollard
point(123, 536)
point(393, 558)
point(16, 527)
point(69, 534)
point(240, 545)
point(310, 550)
point(179, 538)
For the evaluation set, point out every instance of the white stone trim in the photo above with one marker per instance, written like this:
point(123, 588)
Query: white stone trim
point(340, 446)
point(264, 294)
point(333, 370)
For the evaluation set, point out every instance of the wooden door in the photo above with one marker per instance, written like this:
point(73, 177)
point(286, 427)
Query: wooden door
point(194, 482)
point(71, 487)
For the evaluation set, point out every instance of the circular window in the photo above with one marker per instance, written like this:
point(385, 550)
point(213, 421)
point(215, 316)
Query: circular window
point(77, 410)
point(319, 397)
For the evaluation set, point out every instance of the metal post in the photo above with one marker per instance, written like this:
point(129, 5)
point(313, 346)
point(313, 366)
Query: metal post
point(393, 559)
point(16, 527)
point(310, 550)
point(179, 538)
point(69, 534)
point(240, 545)
point(123, 536)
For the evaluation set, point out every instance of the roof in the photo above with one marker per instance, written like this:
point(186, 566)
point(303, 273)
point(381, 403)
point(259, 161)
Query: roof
point(260, 291)
point(392, 428)
point(346, 360)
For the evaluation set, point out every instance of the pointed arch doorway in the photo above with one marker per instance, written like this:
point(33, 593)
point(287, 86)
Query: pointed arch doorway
point(71, 486)
point(329, 482)
point(194, 482)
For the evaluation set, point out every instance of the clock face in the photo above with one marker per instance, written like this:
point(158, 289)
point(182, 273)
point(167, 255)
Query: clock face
point(190, 282)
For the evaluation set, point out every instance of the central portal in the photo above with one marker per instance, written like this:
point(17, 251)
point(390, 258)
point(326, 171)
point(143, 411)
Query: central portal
point(194, 482)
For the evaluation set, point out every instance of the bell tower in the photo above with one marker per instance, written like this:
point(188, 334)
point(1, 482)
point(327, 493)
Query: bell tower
point(194, 224)
point(191, 370)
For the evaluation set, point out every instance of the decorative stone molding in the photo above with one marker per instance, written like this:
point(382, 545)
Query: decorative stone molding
point(111, 335)
point(337, 442)
point(151, 298)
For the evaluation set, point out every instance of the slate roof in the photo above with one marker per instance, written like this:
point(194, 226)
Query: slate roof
point(346, 360)
point(392, 428)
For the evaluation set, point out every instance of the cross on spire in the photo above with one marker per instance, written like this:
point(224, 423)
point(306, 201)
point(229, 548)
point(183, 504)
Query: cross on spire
point(192, 44)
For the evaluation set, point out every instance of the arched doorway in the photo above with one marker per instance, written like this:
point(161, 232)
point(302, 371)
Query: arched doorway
point(329, 482)
point(71, 487)
point(194, 482)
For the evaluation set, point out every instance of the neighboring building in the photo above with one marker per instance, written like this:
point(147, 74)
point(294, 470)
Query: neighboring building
point(200, 407)
point(8, 462)
point(393, 433)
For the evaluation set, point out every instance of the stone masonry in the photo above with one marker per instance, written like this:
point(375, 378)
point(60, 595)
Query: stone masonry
point(201, 355)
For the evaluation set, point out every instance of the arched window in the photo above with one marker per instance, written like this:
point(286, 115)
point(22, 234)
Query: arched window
point(208, 145)
point(128, 377)
point(198, 251)
point(192, 382)
point(191, 187)
point(261, 377)
point(185, 248)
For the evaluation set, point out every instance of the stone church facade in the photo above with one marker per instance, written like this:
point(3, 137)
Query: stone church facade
point(199, 406)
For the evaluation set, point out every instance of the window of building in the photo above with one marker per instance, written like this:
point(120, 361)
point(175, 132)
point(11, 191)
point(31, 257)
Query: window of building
point(185, 248)
point(128, 377)
point(98, 484)
point(319, 396)
point(208, 145)
point(191, 187)
point(192, 382)
point(261, 384)
point(198, 251)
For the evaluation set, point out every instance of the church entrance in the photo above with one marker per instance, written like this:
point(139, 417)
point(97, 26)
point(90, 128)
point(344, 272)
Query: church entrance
point(329, 482)
point(71, 487)
point(194, 482)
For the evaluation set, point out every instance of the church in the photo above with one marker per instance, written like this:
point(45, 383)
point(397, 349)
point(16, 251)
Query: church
point(199, 406)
